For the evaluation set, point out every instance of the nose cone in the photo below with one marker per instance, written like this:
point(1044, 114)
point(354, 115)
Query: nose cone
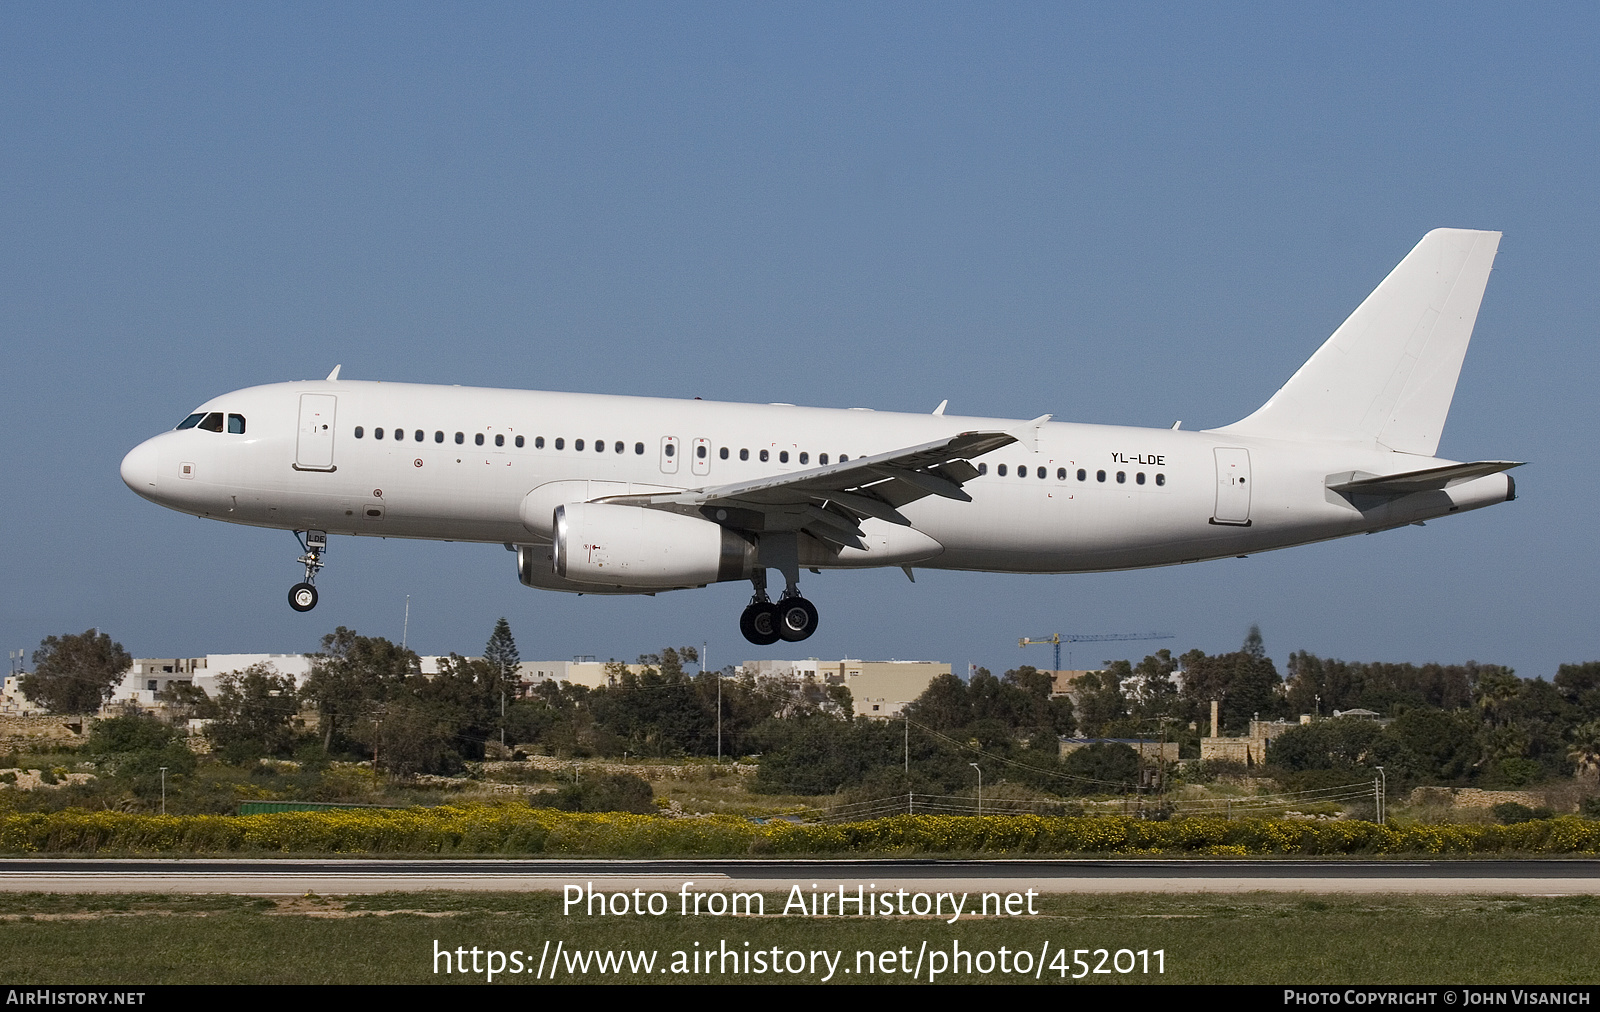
point(140, 468)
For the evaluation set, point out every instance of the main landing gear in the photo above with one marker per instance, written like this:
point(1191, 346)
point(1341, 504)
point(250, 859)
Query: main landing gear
point(303, 595)
point(763, 623)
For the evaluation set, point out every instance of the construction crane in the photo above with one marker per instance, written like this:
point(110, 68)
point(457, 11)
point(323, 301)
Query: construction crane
point(1059, 638)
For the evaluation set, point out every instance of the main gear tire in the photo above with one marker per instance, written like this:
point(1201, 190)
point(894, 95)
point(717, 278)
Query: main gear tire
point(759, 624)
point(797, 619)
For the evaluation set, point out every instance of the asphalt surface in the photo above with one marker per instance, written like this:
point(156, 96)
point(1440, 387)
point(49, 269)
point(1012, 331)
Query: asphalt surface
point(273, 877)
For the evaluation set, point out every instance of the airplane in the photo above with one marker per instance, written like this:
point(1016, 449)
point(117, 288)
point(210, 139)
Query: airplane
point(600, 494)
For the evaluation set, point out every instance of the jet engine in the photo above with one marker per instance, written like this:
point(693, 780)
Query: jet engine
point(629, 546)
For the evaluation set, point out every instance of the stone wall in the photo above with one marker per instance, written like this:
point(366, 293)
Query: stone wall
point(646, 771)
point(1472, 797)
point(19, 730)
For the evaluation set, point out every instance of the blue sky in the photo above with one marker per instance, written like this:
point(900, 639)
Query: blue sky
point(1123, 214)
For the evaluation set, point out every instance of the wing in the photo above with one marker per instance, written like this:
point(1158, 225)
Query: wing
point(830, 502)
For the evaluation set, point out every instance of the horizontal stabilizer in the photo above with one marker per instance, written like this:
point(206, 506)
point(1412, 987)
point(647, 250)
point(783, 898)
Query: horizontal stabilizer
point(1430, 479)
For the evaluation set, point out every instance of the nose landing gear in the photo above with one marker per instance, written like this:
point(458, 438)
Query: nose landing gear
point(303, 596)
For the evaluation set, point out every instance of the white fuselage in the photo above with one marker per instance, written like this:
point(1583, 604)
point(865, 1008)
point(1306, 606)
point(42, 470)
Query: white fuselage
point(449, 467)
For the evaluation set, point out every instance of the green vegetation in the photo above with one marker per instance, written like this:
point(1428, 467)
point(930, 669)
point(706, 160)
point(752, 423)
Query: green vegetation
point(518, 829)
point(1255, 938)
point(368, 727)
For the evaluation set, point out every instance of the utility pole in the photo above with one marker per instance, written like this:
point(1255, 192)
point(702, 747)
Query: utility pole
point(405, 627)
point(980, 786)
point(163, 790)
point(704, 667)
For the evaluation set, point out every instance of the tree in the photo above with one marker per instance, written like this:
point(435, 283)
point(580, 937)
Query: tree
point(351, 677)
point(1254, 646)
point(1246, 684)
point(76, 674)
point(501, 650)
point(255, 713)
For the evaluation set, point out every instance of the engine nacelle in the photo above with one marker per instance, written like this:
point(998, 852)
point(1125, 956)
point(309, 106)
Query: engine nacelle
point(630, 546)
point(536, 569)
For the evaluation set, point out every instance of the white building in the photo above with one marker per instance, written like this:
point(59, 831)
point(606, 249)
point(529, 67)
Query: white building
point(150, 676)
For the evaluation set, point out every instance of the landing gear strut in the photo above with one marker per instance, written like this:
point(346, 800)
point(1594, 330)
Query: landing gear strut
point(303, 596)
point(763, 623)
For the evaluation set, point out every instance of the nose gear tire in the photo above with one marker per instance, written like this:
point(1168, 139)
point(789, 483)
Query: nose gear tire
point(302, 597)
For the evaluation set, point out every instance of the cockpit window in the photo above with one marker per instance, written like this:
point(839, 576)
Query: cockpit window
point(212, 422)
point(236, 424)
point(192, 420)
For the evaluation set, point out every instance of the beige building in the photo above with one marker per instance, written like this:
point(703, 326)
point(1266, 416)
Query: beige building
point(1251, 750)
point(878, 689)
point(586, 671)
point(1068, 683)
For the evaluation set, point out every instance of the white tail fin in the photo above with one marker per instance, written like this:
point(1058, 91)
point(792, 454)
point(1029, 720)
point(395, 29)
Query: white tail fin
point(1387, 375)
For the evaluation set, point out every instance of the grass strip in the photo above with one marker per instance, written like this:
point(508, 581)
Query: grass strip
point(391, 939)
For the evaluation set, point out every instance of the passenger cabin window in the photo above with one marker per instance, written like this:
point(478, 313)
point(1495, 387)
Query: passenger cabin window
point(1001, 470)
point(477, 438)
point(723, 453)
point(982, 468)
point(461, 437)
point(1139, 477)
point(500, 439)
point(538, 442)
point(519, 442)
point(561, 444)
point(236, 424)
point(359, 432)
point(192, 420)
point(744, 454)
point(212, 422)
point(419, 435)
point(822, 458)
point(638, 448)
point(1122, 477)
point(1161, 479)
point(763, 456)
point(1061, 474)
point(1041, 472)
point(700, 451)
point(438, 437)
point(599, 446)
point(783, 456)
point(670, 450)
point(377, 433)
point(577, 444)
point(1099, 476)
point(1083, 475)
point(805, 458)
point(620, 446)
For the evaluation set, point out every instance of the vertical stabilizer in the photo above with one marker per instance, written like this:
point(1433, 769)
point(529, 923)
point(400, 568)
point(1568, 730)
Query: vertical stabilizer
point(1387, 375)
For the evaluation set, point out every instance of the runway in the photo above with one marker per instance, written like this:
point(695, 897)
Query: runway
point(293, 876)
